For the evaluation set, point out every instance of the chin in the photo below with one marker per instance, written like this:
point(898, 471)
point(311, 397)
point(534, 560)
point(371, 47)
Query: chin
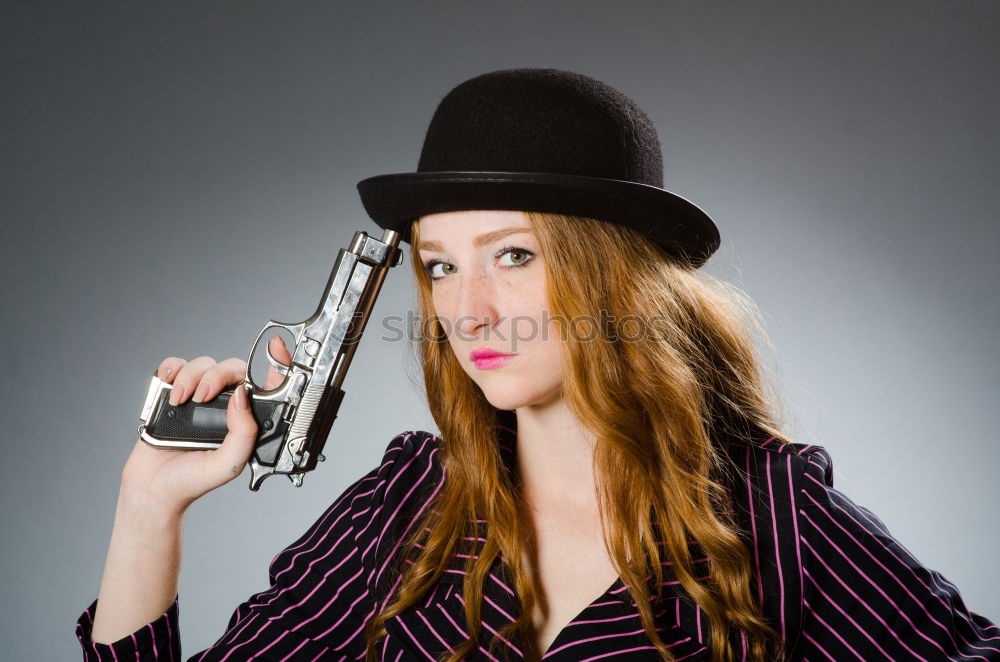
point(509, 399)
point(505, 403)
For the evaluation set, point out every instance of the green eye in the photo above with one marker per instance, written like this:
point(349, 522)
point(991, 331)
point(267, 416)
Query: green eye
point(436, 269)
point(432, 269)
point(518, 256)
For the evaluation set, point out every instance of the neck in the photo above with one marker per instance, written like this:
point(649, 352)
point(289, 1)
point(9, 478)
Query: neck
point(555, 454)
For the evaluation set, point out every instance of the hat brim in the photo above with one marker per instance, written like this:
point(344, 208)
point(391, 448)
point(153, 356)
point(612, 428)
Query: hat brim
point(681, 228)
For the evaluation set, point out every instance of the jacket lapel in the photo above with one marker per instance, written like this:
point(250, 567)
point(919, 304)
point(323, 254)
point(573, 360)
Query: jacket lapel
point(614, 629)
point(437, 625)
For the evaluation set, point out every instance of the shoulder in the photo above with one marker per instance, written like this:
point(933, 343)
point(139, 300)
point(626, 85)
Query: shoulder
point(409, 464)
point(765, 479)
point(771, 445)
point(410, 473)
point(403, 487)
point(772, 481)
point(769, 470)
point(403, 484)
point(363, 528)
point(825, 511)
point(410, 454)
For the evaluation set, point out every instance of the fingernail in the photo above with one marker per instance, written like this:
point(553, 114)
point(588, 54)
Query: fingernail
point(199, 394)
point(240, 395)
point(176, 395)
point(166, 373)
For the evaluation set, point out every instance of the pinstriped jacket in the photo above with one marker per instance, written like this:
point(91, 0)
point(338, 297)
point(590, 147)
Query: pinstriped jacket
point(830, 578)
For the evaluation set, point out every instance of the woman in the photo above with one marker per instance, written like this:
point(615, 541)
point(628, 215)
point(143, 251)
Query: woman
point(613, 486)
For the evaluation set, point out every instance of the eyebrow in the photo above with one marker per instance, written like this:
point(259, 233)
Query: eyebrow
point(478, 242)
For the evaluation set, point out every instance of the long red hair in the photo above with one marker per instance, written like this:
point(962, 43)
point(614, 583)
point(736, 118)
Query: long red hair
point(657, 406)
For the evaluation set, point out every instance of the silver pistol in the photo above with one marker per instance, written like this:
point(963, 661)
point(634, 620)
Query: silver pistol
point(294, 418)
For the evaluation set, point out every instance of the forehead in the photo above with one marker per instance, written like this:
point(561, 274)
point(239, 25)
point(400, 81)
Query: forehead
point(463, 227)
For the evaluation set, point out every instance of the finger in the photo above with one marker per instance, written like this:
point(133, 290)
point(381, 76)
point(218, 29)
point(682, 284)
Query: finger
point(188, 377)
point(169, 367)
point(219, 376)
point(227, 462)
point(276, 346)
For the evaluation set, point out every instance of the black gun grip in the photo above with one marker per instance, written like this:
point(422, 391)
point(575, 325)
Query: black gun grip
point(206, 421)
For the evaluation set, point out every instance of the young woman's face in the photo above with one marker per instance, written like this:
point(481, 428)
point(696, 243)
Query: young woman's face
point(488, 285)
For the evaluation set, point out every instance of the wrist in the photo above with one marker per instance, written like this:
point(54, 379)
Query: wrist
point(146, 514)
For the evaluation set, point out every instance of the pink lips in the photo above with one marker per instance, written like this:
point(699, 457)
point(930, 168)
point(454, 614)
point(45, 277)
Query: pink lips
point(488, 359)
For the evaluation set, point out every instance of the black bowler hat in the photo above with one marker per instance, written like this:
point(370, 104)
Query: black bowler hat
point(549, 141)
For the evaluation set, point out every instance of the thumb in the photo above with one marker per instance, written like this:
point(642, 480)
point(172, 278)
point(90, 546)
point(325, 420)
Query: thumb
point(237, 446)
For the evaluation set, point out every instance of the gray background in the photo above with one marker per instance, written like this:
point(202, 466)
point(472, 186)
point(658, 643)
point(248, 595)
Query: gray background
point(173, 175)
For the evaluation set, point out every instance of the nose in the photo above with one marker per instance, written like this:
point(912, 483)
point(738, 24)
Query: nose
point(475, 304)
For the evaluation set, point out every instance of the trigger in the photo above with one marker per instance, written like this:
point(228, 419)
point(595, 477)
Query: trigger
point(280, 368)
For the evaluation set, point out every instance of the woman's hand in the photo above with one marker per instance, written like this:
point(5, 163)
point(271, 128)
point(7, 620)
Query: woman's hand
point(144, 557)
point(172, 479)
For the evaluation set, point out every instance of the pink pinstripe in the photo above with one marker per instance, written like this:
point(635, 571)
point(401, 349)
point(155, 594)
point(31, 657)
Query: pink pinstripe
point(348, 612)
point(894, 576)
point(404, 500)
point(753, 525)
point(875, 584)
point(820, 620)
point(777, 547)
point(843, 613)
point(434, 632)
point(296, 650)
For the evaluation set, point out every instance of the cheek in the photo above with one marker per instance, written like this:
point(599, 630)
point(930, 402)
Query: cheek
point(442, 311)
point(539, 336)
point(553, 348)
